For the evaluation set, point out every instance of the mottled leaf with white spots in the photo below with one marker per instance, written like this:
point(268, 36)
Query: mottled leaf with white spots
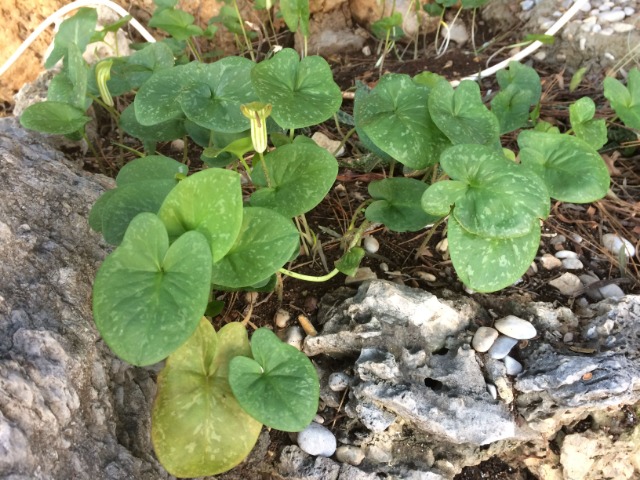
point(198, 428)
point(279, 386)
point(490, 264)
point(148, 296)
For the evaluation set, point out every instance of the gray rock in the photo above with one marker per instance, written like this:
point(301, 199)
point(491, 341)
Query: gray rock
point(484, 338)
point(317, 440)
point(339, 381)
point(572, 264)
point(502, 346)
point(296, 464)
point(564, 254)
point(611, 291)
point(611, 16)
point(567, 283)
point(515, 327)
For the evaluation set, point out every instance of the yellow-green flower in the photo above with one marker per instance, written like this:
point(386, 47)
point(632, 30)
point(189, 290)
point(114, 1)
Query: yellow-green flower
point(257, 114)
point(103, 74)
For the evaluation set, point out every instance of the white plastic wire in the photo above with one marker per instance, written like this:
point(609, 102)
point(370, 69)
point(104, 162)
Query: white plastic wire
point(562, 21)
point(57, 15)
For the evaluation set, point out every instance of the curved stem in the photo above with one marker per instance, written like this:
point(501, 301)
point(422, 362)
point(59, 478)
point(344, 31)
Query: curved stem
point(264, 169)
point(310, 278)
point(244, 32)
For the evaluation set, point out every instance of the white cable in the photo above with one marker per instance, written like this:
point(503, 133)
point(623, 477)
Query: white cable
point(62, 12)
point(562, 21)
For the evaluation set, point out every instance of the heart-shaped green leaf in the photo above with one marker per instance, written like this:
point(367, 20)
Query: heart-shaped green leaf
point(362, 91)
point(143, 185)
point(490, 264)
point(523, 78)
point(395, 117)
point(511, 106)
point(572, 170)
point(177, 23)
point(161, 132)
point(210, 202)
point(501, 198)
point(279, 386)
point(301, 174)
point(53, 117)
point(302, 92)
point(198, 427)
point(350, 261)
point(462, 116)
point(76, 30)
point(148, 297)
point(625, 100)
point(397, 204)
point(158, 99)
point(441, 196)
point(585, 127)
point(296, 14)
point(218, 89)
point(265, 243)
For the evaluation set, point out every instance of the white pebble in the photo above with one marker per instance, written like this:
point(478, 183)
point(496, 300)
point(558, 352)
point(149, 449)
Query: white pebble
point(558, 239)
point(566, 254)
point(628, 11)
point(328, 144)
point(527, 5)
point(514, 367)
point(366, 51)
point(426, 276)
point(572, 264)
point(611, 291)
point(596, 28)
point(585, 7)
point(443, 245)
point(549, 262)
point(317, 440)
point(540, 56)
point(456, 32)
point(614, 244)
point(384, 267)
point(492, 391)
point(484, 338)
point(177, 145)
point(294, 337)
point(502, 346)
point(515, 327)
point(567, 283)
point(568, 337)
point(339, 381)
point(607, 32)
point(282, 318)
point(350, 454)
point(623, 27)
point(576, 238)
point(371, 245)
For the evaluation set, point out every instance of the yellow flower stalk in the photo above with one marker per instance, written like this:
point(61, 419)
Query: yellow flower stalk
point(103, 74)
point(257, 114)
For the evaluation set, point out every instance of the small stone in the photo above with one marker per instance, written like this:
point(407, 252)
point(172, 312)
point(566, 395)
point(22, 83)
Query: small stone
point(611, 291)
point(469, 290)
point(376, 454)
point(533, 269)
point(366, 51)
point(371, 245)
point(566, 254)
point(628, 11)
point(504, 390)
point(339, 381)
point(251, 297)
point(558, 239)
point(443, 245)
point(585, 7)
point(568, 337)
point(484, 338)
point(607, 32)
point(362, 274)
point(177, 145)
point(540, 56)
point(341, 190)
point(514, 367)
point(611, 16)
point(614, 244)
point(515, 327)
point(567, 283)
point(350, 454)
point(576, 238)
point(317, 440)
point(384, 267)
point(502, 346)
point(527, 5)
point(491, 388)
point(319, 419)
point(549, 262)
point(427, 277)
point(329, 145)
point(282, 318)
point(456, 32)
point(294, 337)
point(572, 264)
point(623, 27)
point(596, 28)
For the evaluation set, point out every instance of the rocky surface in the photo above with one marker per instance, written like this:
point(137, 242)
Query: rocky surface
point(421, 401)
